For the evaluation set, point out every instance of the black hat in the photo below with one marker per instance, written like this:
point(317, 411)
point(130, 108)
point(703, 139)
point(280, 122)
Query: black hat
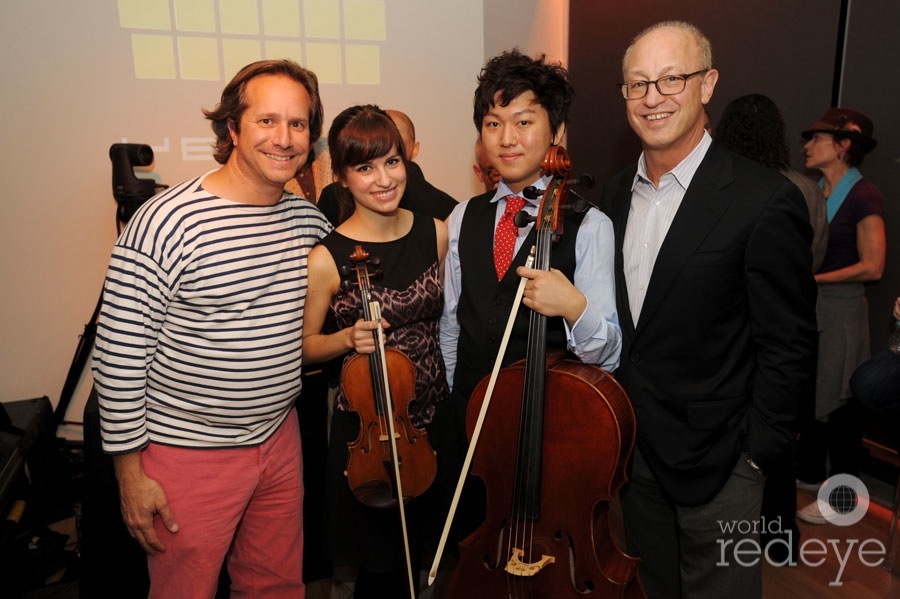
point(845, 123)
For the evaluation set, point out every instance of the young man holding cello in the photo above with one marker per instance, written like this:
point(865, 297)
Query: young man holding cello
point(521, 110)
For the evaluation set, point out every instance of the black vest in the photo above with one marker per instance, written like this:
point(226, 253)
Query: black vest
point(484, 303)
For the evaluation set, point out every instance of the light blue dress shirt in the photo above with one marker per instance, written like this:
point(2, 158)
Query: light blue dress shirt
point(596, 337)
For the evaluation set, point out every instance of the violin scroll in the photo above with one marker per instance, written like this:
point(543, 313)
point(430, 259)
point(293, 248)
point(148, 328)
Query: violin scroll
point(359, 275)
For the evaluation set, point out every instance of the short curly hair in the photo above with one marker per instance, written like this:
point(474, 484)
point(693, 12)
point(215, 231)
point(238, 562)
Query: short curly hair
point(752, 126)
point(233, 103)
point(512, 73)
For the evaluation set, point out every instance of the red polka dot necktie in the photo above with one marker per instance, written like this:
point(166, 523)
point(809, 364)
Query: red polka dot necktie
point(505, 236)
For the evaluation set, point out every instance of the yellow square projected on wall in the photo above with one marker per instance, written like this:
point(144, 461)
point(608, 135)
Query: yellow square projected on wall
point(154, 56)
point(322, 19)
point(144, 14)
point(207, 39)
point(236, 54)
point(281, 18)
point(325, 61)
point(239, 16)
point(364, 20)
point(291, 50)
point(363, 64)
point(195, 15)
point(199, 58)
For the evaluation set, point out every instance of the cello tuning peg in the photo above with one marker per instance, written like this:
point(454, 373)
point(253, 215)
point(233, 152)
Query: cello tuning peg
point(579, 204)
point(585, 181)
point(522, 218)
point(532, 193)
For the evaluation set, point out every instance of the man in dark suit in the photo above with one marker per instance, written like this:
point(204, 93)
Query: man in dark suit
point(716, 301)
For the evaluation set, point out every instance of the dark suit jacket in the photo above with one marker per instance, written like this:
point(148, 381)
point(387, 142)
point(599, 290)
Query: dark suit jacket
point(725, 347)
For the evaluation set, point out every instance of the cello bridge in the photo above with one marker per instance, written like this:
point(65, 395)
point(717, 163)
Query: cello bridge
point(517, 567)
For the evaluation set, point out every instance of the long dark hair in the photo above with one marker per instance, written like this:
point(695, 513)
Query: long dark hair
point(752, 127)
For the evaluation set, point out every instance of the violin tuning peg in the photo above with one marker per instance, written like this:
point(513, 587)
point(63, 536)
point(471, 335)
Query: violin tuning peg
point(346, 285)
point(377, 275)
point(374, 260)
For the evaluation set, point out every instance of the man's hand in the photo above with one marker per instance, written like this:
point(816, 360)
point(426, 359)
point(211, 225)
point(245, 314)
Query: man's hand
point(550, 293)
point(142, 498)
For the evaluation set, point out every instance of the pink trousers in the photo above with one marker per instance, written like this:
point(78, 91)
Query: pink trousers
point(244, 504)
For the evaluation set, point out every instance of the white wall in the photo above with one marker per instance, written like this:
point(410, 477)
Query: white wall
point(70, 90)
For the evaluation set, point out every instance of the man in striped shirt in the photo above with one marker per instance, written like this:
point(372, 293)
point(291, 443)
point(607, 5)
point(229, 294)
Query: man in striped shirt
point(198, 351)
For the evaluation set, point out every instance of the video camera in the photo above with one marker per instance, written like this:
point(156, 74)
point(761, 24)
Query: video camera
point(129, 190)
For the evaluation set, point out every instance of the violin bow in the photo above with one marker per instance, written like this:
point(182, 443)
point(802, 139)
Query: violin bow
point(372, 310)
point(432, 574)
point(376, 311)
point(359, 256)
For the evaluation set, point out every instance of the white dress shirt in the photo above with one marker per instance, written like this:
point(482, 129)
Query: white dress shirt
point(652, 212)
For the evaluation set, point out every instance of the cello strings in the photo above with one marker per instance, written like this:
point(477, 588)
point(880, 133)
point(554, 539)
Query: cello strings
point(527, 494)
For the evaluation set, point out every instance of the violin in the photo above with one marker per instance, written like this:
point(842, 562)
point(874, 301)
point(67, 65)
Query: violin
point(390, 461)
point(379, 388)
point(549, 474)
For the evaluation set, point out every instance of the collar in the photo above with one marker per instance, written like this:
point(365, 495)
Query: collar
point(684, 171)
point(836, 199)
point(503, 190)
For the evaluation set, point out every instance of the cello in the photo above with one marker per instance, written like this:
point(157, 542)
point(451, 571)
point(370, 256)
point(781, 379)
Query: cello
point(391, 460)
point(549, 477)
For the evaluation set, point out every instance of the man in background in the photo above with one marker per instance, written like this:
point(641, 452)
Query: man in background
point(484, 171)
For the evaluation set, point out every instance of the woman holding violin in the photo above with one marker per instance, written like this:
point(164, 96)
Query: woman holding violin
point(388, 259)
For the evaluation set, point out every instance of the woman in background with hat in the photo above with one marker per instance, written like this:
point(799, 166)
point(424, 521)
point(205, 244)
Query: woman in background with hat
point(835, 146)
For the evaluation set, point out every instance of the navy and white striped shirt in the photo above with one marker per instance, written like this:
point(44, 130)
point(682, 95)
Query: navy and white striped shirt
point(200, 336)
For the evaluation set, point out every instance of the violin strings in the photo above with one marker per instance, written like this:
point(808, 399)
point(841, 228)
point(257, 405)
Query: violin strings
point(379, 393)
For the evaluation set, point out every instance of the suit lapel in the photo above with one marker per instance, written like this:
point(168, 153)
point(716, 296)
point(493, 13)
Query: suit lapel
point(620, 206)
point(702, 207)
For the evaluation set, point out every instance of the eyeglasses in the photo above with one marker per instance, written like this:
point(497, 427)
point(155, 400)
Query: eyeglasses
point(666, 86)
